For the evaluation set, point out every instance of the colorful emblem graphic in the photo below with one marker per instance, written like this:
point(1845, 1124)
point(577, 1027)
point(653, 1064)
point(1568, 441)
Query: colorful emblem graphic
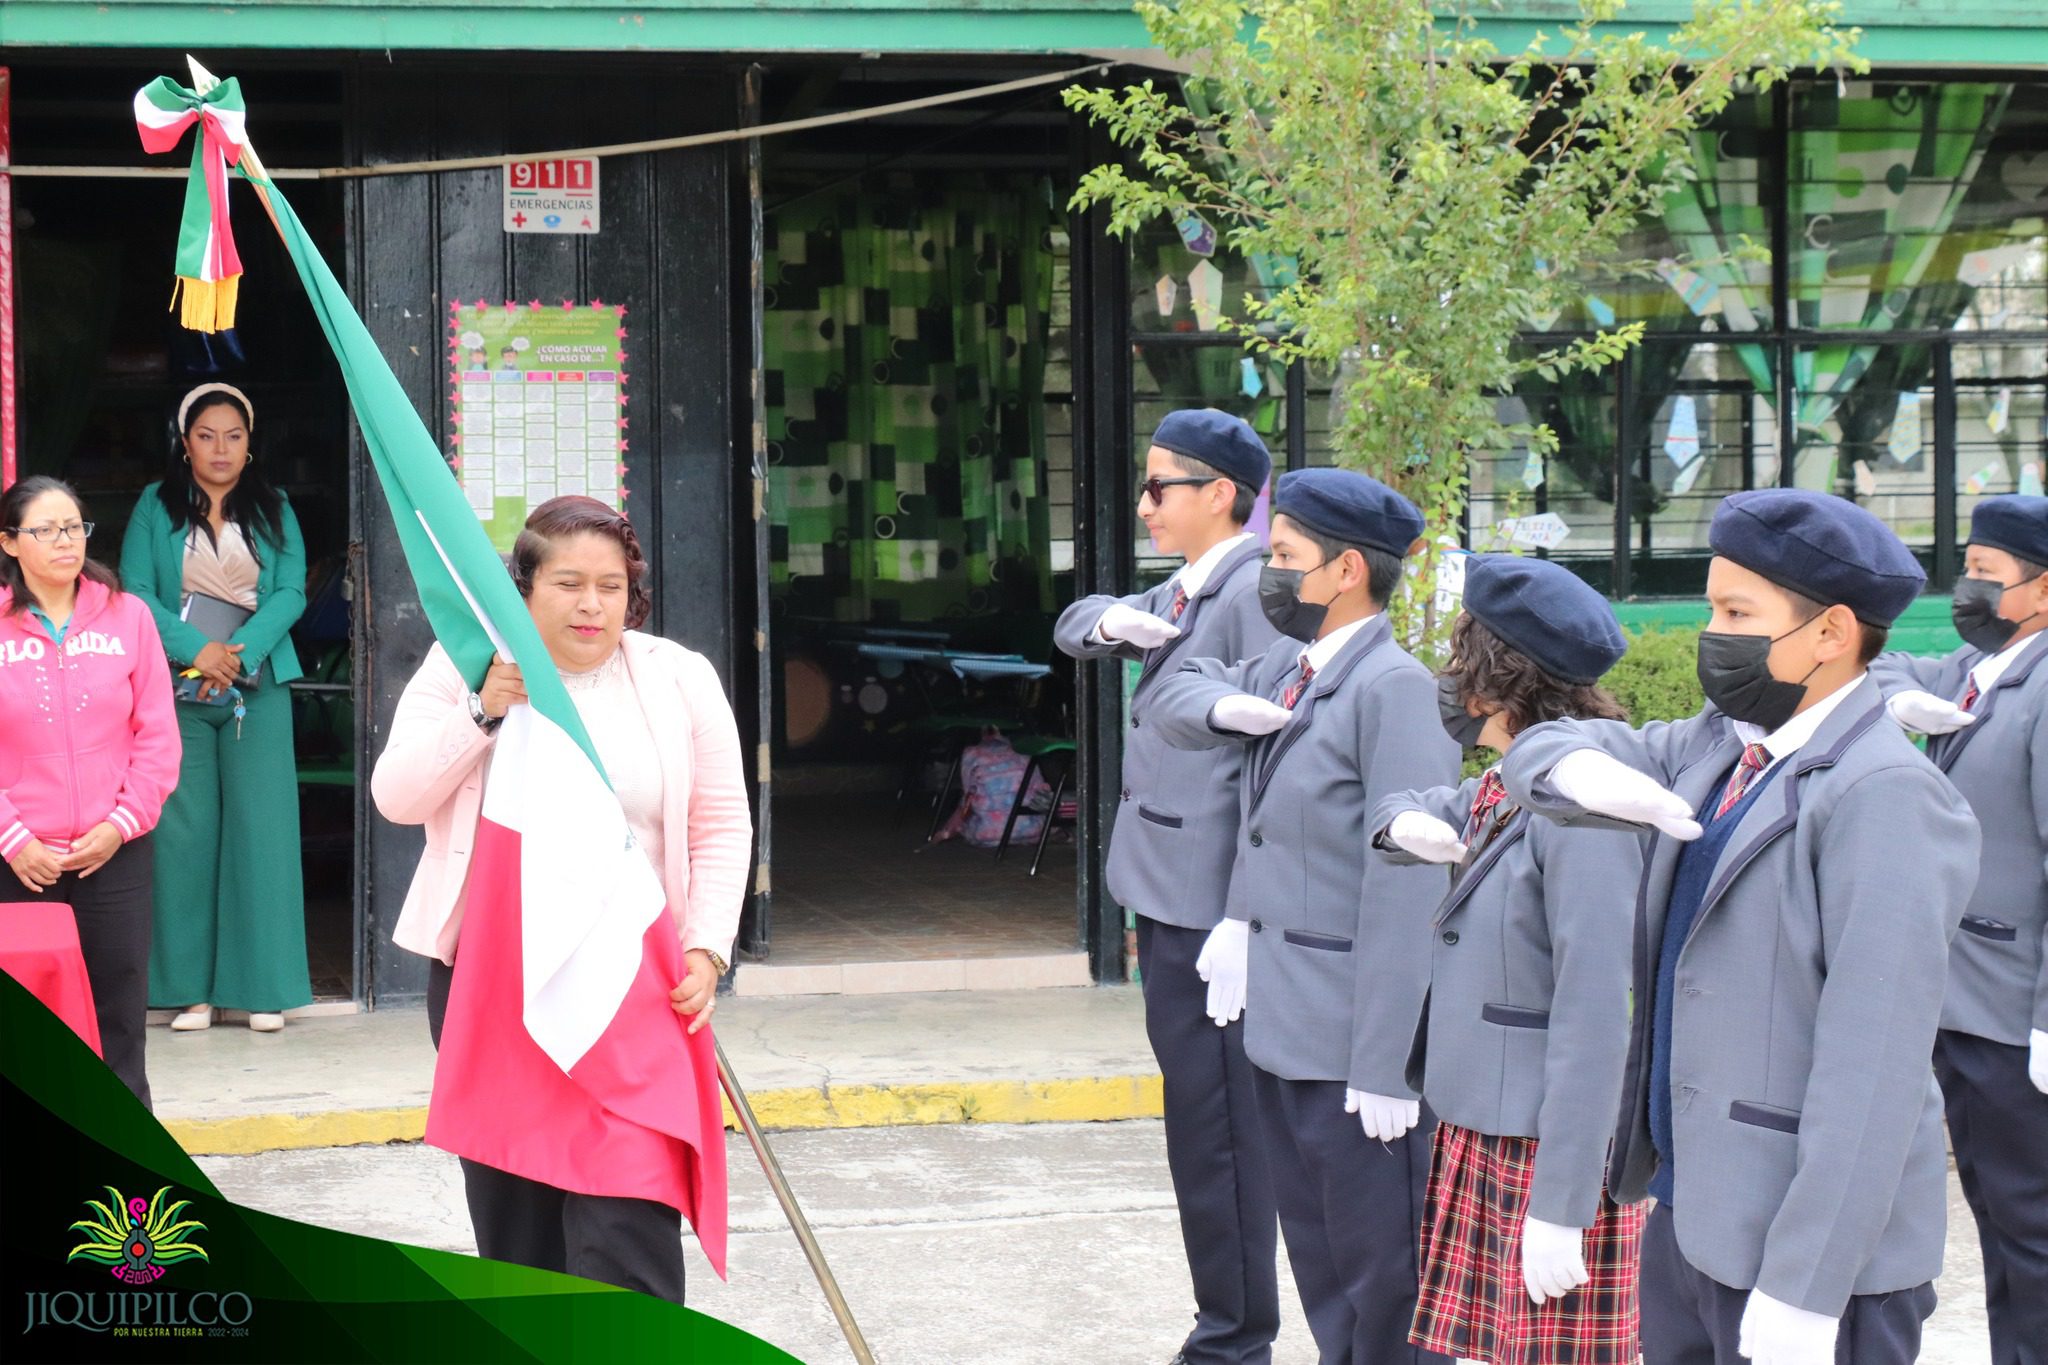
point(141, 1239)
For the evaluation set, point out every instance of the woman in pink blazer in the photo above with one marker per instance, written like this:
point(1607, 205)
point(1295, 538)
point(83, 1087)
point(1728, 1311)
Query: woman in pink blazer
point(663, 728)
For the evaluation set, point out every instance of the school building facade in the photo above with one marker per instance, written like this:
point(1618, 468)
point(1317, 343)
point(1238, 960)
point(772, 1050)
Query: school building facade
point(885, 398)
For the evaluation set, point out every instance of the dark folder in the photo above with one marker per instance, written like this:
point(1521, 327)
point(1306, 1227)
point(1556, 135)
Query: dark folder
point(216, 620)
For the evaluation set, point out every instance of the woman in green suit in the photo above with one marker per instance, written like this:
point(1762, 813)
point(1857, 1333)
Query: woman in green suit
point(230, 899)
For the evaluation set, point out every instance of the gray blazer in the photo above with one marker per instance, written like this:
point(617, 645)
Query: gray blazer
point(1525, 1031)
point(1175, 834)
point(1810, 1161)
point(1339, 952)
point(1997, 981)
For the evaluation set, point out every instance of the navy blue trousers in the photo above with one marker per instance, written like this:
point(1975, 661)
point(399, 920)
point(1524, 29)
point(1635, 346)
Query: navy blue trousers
point(1216, 1152)
point(1351, 1210)
point(1998, 1125)
point(1690, 1319)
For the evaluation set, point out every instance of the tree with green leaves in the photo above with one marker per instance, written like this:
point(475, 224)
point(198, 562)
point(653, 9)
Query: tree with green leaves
point(1431, 193)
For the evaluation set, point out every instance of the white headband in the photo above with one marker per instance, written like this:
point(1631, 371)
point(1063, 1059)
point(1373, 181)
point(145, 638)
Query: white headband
point(185, 407)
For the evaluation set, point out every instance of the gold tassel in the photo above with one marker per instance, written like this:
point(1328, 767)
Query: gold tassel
point(206, 305)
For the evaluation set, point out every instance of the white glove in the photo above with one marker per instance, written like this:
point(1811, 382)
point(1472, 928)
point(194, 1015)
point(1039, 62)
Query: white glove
point(1776, 1333)
point(1926, 714)
point(1222, 963)
point(1553, 1259)
point(1383, 1117)
point(1606, 786)
point(1140, 628)
point(2037, 1060)
point(1427, 837)
point(1248, 715)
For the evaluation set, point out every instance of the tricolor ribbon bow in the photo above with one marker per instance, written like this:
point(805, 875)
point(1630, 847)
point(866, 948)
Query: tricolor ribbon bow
point(208, 267)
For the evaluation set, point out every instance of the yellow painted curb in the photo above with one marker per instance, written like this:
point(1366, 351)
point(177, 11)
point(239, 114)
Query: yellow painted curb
point(1086, 1099)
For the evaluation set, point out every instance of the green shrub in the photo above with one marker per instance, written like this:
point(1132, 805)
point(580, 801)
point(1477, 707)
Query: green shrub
point(1656, 679)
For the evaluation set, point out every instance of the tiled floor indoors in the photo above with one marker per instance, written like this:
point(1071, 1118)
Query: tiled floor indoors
point(854, 884)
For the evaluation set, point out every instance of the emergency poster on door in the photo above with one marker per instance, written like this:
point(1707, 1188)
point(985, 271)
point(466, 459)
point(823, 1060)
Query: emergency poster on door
point(539, 406)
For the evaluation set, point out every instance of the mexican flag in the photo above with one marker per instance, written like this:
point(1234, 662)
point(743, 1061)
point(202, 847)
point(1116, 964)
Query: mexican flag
point(209, 270)
point(561, 1058)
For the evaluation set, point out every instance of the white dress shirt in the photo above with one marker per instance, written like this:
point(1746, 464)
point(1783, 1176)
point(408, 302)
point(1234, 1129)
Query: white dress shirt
point(1786, 740)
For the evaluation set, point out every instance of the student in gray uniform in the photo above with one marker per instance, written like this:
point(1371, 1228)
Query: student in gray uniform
point(1791, 940)
point(1320, 946)
point(1169, 861)
point(1986, 706)
point(1525, 1258)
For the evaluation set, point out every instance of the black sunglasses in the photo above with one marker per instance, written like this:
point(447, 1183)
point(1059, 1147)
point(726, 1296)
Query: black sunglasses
point(1155, 487)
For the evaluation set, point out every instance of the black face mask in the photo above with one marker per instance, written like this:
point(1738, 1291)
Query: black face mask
point(1735, 673)
point(1280, 599)
point(1457, 724)
point(1975, 612)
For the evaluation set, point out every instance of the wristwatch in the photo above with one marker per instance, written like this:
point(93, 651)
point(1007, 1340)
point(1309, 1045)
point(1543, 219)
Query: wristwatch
point(717, 962)
point(487, 723)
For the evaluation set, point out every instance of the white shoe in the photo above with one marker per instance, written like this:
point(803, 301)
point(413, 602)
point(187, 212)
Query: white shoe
point(265, 1023)
point(193, 1019)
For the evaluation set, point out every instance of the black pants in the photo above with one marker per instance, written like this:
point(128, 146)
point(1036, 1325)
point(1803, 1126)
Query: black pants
point(633, 1243)
point(1998, 1125)
point(1216, 1153)
point(1351, 1210)
point(113, 910)
point(1690, 1319)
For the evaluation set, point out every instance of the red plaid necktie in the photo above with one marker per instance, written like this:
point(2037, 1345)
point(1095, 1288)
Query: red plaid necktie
point(1180, 603)
point(1754, 759)
point(1970, 697)
point(1299, 685)
point(1492, 791)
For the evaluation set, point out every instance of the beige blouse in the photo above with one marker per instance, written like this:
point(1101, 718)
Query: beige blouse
point(611, 712)
point(223, 568)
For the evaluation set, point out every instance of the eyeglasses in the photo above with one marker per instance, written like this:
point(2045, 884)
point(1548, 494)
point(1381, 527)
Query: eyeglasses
point(44, 535)
point(1155, 487)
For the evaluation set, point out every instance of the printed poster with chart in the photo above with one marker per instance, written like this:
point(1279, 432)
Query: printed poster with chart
point(539, 406)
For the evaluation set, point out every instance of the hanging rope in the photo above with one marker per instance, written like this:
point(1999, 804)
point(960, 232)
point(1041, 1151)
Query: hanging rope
point(661, 144)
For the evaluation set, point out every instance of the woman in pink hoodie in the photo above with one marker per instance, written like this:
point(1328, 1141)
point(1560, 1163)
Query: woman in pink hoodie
point(88, 749)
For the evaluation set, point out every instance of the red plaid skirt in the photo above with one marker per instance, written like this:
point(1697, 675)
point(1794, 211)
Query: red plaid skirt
point(1472, 1304)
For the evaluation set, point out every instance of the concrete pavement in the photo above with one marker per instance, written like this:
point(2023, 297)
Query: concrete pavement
point(1025, 1056)
point(998, 1244)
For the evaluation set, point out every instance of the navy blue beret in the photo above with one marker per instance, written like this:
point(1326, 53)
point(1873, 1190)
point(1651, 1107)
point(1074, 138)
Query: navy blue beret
point(1225, 443)
point(1348, 506)
point(1547, 612)
point(1819, 546)
point(2016, 523)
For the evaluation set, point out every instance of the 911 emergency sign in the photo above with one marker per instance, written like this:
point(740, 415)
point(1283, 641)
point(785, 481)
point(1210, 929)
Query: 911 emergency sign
point(557, 194)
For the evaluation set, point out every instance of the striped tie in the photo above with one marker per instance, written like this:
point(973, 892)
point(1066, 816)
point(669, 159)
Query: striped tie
point(1299, 685)
point(1180, 603)
point(1754, 758)
point(1492, 791)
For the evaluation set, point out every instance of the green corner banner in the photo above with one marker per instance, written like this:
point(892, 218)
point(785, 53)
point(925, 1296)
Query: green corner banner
point(117, 1247)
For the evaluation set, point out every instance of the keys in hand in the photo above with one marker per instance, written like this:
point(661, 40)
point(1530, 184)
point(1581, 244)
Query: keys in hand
point(1140, 628)
point(1224, 962)
point(1244, 714)
point(1926, 714)
point(1774, 1333)
point(1384, 1117)
point(1427, 837)
point(1606, 786)
point(1553, 1259)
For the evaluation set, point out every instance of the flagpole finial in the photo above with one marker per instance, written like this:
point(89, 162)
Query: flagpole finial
point(202, 79)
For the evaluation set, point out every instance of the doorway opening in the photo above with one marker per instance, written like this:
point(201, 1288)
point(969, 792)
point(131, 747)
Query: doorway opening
point(919, 403)
point(102, 365)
